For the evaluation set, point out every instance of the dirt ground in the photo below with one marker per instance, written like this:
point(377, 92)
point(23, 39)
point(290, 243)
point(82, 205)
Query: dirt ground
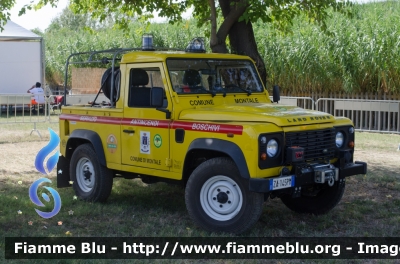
point(18, 158)
point(376, 160)
point(369, 207)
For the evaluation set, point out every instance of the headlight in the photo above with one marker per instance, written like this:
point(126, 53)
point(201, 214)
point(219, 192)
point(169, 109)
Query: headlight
point(339, 139)
point(272, 148)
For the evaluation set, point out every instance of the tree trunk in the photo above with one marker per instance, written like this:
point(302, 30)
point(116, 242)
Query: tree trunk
point(217, 43)
point(231, 10)
point(219, 47)
point(241, 35)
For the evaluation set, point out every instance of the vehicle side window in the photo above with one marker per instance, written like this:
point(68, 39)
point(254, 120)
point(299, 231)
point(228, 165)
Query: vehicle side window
point(141, 81)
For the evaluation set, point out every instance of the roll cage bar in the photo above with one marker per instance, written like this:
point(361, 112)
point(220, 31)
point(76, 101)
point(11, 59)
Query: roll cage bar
point(89, 59)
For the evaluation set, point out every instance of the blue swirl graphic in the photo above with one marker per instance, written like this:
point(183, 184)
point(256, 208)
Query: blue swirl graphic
point(35, 199)
point(45, 151)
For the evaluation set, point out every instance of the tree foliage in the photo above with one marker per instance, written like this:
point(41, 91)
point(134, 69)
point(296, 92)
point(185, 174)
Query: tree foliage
point(5, 7)
point(62, 38)
point(360, 55)
point(236, 22)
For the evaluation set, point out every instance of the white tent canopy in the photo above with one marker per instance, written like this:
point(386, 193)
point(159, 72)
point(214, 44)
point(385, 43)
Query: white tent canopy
point(21, 59)
point(13, 31)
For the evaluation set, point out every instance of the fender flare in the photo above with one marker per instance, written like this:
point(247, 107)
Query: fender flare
point(93, 138)
point(229, 148)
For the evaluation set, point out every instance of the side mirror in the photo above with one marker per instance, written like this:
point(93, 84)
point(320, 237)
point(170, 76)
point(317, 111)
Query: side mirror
point(157, 97)
point(275, 94)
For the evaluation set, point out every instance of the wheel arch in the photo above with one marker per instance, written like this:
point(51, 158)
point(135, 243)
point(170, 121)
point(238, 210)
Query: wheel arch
point(211, 148)
point(82, 136)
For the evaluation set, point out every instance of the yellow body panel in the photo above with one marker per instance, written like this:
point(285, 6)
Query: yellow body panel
point(142, 140)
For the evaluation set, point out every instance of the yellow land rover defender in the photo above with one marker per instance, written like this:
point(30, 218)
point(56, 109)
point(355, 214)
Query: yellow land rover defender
point(204, 121)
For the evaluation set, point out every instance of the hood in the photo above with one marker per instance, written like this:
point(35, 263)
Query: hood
point(280, 115)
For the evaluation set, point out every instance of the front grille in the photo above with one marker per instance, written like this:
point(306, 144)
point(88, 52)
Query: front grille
point(319, 145)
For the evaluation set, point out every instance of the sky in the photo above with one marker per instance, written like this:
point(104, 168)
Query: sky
point(42, 18)
point(36, 19)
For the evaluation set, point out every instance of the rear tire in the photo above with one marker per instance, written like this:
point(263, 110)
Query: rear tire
point(218, 198)
point(320, 203)
point(91, 181)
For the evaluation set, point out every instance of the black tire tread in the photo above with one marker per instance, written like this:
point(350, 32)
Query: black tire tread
point(318, 205)
point(227, 167)
point(104, 180)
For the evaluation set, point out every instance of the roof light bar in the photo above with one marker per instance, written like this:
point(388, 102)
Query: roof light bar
point(196, 45)
point(147, 42)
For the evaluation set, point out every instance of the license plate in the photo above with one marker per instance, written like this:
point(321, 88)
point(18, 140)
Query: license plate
point(281, 183)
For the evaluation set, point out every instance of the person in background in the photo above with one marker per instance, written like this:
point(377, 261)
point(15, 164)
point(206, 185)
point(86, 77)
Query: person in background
point(38, 94)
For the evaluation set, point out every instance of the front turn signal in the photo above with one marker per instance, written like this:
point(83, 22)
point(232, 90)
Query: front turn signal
point(263, 156)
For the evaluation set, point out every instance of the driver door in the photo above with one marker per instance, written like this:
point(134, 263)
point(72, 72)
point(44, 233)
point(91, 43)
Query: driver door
point(145, 130)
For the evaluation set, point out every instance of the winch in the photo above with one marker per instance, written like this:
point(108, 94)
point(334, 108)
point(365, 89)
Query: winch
point(325, 173)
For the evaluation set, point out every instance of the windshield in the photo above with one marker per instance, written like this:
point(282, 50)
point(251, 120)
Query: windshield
point(213, 76)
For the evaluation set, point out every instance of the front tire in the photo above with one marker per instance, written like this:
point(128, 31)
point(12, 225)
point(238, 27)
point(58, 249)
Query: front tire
point(91, 181)
point(218, 198)
point(317, 203)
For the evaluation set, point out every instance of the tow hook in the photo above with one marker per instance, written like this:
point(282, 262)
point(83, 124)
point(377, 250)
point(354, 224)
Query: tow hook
point(331, 181)
point(326, 173)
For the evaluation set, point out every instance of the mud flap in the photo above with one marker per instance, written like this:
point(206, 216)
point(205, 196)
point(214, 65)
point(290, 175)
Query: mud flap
point(63, 177)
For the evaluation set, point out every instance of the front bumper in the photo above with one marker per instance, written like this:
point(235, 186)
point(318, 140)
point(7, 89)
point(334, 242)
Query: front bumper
point(306, 175)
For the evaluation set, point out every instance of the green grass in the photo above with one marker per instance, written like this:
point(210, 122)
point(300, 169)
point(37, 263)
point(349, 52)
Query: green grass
point(370, 206)
point(376, 141)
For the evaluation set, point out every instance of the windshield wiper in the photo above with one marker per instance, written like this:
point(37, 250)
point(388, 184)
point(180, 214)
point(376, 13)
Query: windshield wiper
point(218, 88)
point(248, 91)
point(208, 91)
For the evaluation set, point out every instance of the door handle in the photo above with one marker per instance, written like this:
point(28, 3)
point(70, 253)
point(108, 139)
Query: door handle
point(128, 131)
